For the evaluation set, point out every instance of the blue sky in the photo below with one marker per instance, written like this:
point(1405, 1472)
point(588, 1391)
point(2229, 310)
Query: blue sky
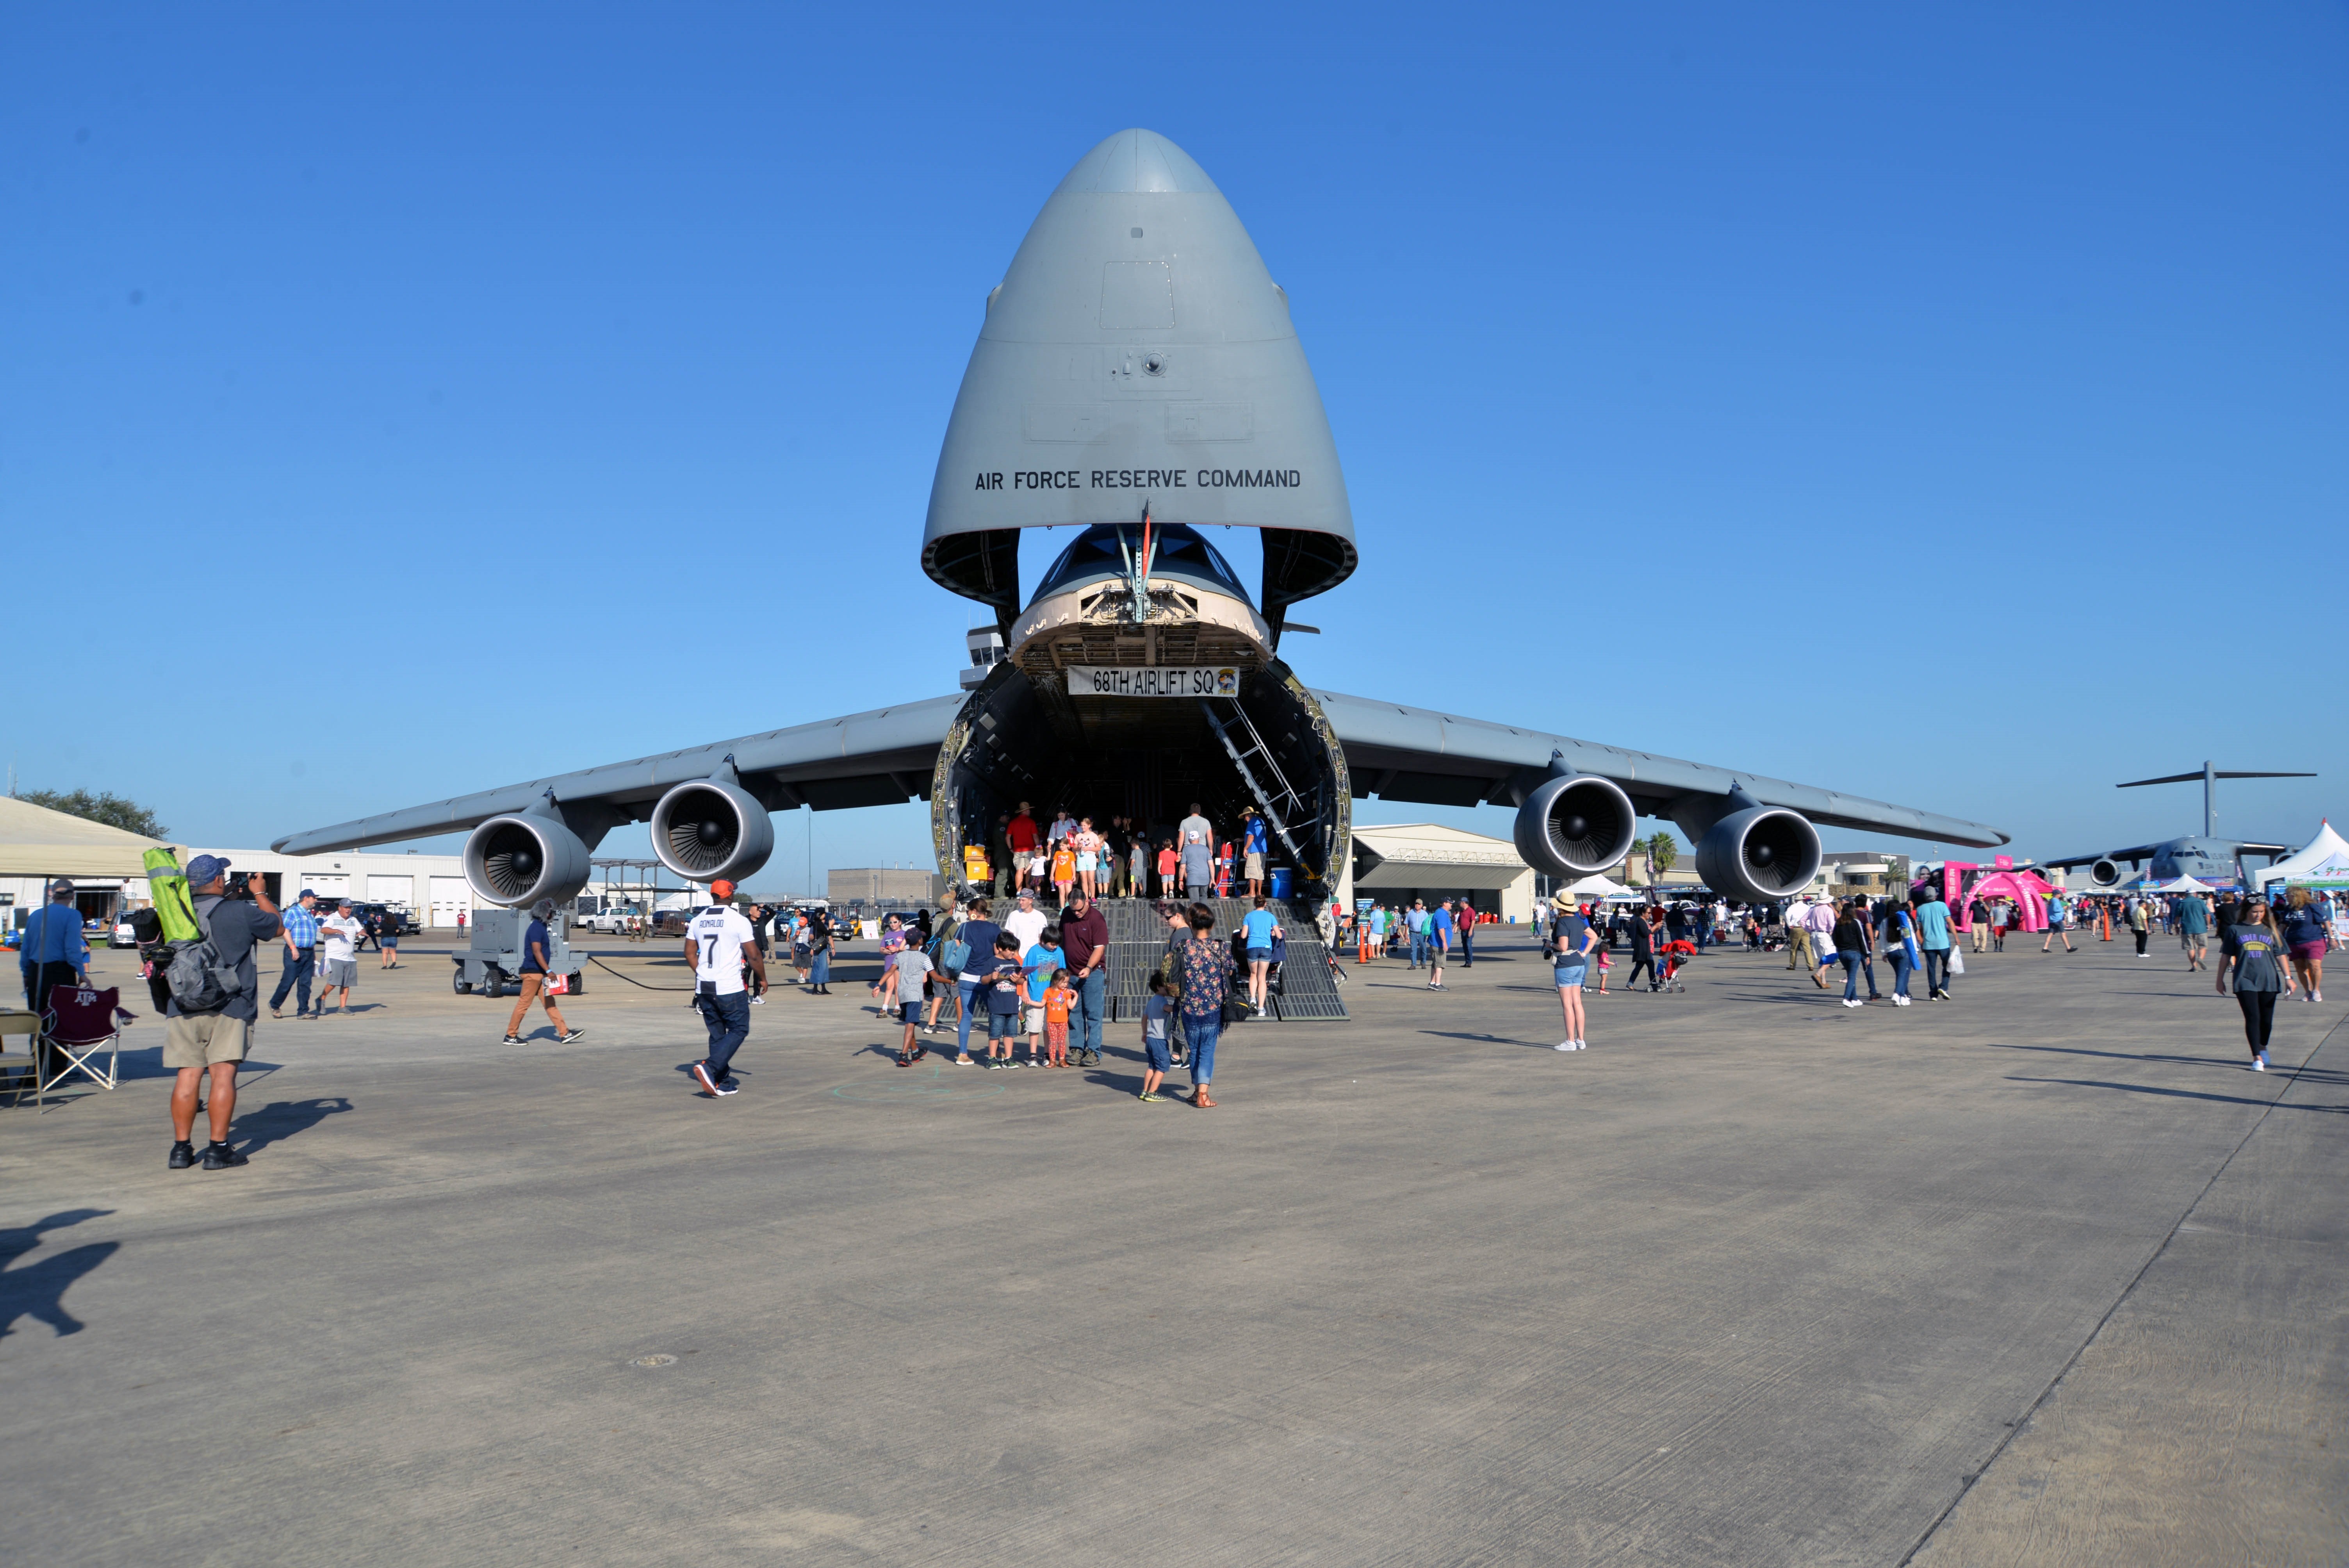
point(1945, 407)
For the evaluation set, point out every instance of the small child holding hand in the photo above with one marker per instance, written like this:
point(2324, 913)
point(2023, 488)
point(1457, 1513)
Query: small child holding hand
point(1058, 999)
point(1153, 1037)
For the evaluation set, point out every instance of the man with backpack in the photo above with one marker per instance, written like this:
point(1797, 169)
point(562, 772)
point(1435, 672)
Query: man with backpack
point(213, 1004)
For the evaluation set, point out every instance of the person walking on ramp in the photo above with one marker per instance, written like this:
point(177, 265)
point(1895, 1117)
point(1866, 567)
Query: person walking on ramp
point(720, 943)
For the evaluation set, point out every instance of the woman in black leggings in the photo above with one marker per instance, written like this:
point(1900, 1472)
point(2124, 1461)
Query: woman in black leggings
point(2255, 953)
point(1643, 945)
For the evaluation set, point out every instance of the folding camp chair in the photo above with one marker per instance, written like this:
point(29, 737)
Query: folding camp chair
point(22, 1072)
point(79, 1024)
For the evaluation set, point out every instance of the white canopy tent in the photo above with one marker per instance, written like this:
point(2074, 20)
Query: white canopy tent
point(2183, 884)
point(1595, 887)
point(2323, 863)
point(35, 842)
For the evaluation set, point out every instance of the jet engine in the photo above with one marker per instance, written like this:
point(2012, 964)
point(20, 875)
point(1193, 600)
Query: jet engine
point(2105, 873)
point(1762, 853)
point(712, 828)
point(522, 857)
point(1573, 825)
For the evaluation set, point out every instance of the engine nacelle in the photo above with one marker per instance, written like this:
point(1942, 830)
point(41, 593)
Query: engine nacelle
point(2105, 873)
point(710, 828)
point(1574, 825)
point(524, 857)
point(1761, 853)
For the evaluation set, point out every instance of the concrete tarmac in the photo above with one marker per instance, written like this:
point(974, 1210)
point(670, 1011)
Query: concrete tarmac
point(2042, 1274)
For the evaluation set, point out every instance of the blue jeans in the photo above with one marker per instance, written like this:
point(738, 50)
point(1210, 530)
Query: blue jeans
point(1418, 948)
point(1467, 947)
point(1900, 971)
point(728, 1018)
point(295, 979)
point(1092, 1003)
point(1203, 1029)
point(1937, 969)
point(1851, 963)
point(968, 990)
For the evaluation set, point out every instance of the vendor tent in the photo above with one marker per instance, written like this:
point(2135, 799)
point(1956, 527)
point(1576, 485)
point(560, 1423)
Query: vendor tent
point(1595, 887)
point(35, 842)
point(2324, 863)
point(2183, 884)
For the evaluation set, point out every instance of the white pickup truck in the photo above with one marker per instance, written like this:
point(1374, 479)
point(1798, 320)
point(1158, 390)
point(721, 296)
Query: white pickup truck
point(610, 922)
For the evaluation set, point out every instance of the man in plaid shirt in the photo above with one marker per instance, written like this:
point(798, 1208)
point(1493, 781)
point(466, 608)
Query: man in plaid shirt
point(301, 951)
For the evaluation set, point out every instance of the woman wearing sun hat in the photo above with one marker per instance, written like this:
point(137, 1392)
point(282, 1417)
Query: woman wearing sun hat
point(1569, 947)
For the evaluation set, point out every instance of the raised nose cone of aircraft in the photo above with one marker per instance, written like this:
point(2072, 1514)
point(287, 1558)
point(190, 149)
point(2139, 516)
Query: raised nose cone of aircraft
point(1137, 353)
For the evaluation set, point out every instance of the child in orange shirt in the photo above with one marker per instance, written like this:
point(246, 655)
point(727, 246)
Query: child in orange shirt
point(1057, 998)
point(1167, 863)
point(1064, 869)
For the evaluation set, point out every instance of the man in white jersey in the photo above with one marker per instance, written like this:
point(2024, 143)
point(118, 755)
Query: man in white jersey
point(719, 944)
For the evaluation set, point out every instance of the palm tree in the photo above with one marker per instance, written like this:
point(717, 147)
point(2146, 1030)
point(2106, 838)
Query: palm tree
point(1662, 849)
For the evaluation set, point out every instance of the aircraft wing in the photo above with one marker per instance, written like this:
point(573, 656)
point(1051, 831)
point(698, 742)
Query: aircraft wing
point(2136, 852)
point(876, 759)
point(1402, 753)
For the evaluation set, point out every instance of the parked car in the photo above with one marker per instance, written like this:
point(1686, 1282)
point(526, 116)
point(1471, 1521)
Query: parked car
point(610, 922)
point(122, 936)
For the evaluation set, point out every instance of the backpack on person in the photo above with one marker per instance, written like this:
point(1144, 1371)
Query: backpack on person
point(199, 978)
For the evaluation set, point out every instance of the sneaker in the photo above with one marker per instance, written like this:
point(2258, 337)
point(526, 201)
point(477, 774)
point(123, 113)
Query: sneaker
point(727, 1087)
point(183, 1154)
point(1563, 1046)
point(1151, 1098)
point(1853, 1002)
point(220, 1157)
point(567, 1040)
point(964, 1062)
point(1582, 1045)
point(1010, 1063)
point(510, 1040)
point(1900, 1001)
point(702, 1076)
point(2260, 1063)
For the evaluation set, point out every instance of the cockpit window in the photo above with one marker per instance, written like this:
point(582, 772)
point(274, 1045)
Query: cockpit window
point(1183, 553)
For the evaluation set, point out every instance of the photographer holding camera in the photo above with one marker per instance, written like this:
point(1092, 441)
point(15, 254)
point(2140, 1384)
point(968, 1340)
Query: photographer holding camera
point(213, 1041)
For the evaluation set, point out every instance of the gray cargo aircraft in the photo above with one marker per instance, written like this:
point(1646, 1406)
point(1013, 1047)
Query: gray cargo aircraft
point(1137, 378)
point(2206, 857)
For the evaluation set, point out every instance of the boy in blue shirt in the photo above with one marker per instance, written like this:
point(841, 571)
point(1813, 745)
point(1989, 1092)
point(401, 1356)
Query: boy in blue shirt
point(1258, 928)
point(1038, 963)
point(1252, 844)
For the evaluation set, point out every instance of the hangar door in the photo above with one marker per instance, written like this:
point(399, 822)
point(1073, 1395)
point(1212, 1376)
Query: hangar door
point(449, 896)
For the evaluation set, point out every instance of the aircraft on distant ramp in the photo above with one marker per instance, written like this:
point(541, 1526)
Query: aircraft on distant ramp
point(2206, 858)
point(1137, 378)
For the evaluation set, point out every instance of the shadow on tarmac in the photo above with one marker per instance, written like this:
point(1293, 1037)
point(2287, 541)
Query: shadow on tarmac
point(281, 1120)
point(38, 1289)
point(2231, 1063)
point(2192, 1094)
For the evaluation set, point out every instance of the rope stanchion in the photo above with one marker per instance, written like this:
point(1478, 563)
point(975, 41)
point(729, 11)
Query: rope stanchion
point(632, 979)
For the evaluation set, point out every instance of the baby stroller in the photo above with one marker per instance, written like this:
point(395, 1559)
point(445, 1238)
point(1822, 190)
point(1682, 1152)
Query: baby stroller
point(1676, 956)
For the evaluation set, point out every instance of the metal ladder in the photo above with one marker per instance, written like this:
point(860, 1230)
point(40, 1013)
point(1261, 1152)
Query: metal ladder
point(1263, 754)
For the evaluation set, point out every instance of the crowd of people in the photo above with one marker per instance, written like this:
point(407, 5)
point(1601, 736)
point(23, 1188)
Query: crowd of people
point(1118, 856)
point(1032, 985)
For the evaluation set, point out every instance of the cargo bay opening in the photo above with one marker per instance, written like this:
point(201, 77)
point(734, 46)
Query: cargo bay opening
point(1133, 686)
